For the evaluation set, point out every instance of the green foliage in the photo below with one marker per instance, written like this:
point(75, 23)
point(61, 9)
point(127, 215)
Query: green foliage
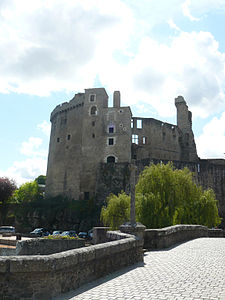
point(58, 212)
point(164, 197)
point(41, 179)
point(28, 192)
point(117, 211)
point(7, 186)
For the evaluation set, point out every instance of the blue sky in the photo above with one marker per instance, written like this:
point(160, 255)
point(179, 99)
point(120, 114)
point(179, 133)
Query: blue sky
point(150, 50)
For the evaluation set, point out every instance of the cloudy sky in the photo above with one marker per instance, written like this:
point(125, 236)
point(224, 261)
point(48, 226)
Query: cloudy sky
point(150, 50)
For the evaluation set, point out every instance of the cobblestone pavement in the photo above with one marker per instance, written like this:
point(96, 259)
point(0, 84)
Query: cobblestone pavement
point(192, 270)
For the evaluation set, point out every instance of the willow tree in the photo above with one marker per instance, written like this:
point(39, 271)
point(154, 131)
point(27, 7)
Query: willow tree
point(164, 196)
point(116, 211)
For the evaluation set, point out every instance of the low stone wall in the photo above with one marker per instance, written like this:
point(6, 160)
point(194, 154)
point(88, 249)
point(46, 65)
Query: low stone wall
point(168, 236)
point(216, 233)
point(42, 246)
point(7, 251)
point(44, 277)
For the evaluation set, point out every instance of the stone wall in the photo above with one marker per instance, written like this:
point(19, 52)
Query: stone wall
point(169, 236)
point(44, 277)
point(40, 246)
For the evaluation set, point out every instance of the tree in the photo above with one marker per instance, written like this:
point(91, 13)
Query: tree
point(41, 179)
point(117, 211)
point(7, 186)
point(27, 192)
point(164, 197)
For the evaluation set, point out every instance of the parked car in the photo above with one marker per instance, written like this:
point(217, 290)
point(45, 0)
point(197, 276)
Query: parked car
point(39, 232)
point(82, 235)
point(71, 233)
point(90, 234)
point(57, 232)
point(7, 229)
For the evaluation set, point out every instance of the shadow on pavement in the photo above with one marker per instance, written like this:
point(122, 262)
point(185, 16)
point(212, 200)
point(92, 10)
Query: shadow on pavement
point(88, 286)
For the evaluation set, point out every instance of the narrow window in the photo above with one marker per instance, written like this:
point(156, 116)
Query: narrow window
point(93, 135)
point(92, 98)
point(93, 110)
point(132, 123)
point(111, 129)
point(144, 140)
point(58, 140)
point(198, 168)
point(86, 195)
point(111, 159)
point(139, 124)
point(93, 123)
point(68, 137)
point(135, 139)
point(111, 141)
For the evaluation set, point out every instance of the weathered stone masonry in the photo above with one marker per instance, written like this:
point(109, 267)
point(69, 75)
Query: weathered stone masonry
point(92, 145)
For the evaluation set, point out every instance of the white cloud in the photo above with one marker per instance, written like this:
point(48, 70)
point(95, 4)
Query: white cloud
point(211, 143)
point(32, 148)
point(186, 11)
point(45, 127)
point(53, 45)
point(191, 66)
point(26, 170)
point(34, 165)
point(64, 45)
point(173, 25)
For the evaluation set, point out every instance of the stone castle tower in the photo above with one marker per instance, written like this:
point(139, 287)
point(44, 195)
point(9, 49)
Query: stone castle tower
point(86, 132)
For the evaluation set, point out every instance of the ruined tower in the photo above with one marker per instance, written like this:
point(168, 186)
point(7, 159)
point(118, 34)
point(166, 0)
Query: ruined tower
point(86, 132)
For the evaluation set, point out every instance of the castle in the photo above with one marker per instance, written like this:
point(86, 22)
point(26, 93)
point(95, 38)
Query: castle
point(86, 132)
point(93, 145)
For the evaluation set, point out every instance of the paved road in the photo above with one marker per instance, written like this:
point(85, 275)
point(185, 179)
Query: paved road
point(192, 270)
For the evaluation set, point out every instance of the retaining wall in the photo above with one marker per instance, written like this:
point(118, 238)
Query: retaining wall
point(44, 277)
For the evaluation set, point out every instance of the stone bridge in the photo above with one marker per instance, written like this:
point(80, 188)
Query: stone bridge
point(192, 270)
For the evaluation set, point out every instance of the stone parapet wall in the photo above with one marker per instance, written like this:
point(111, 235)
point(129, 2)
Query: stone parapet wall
point(216, 233)
point(169, 236)
point(44, 277)
point(44, 246)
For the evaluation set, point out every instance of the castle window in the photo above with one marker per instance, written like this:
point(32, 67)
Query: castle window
point(92, 98)
point(135, 139)
point(93, 123)
point(86, 195)
point(58, 140)
point(143, 140)
point(93, 135)
point(68, 137)
point(139, 124)
point(111, 129)
point(111, 141)
point(132, 123)
point(111, 159)
point(93, 110)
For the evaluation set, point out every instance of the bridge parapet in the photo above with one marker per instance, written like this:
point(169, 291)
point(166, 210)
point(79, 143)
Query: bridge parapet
point(169, 236)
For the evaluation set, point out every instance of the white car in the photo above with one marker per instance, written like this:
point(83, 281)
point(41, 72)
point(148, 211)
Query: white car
point(7, 229)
